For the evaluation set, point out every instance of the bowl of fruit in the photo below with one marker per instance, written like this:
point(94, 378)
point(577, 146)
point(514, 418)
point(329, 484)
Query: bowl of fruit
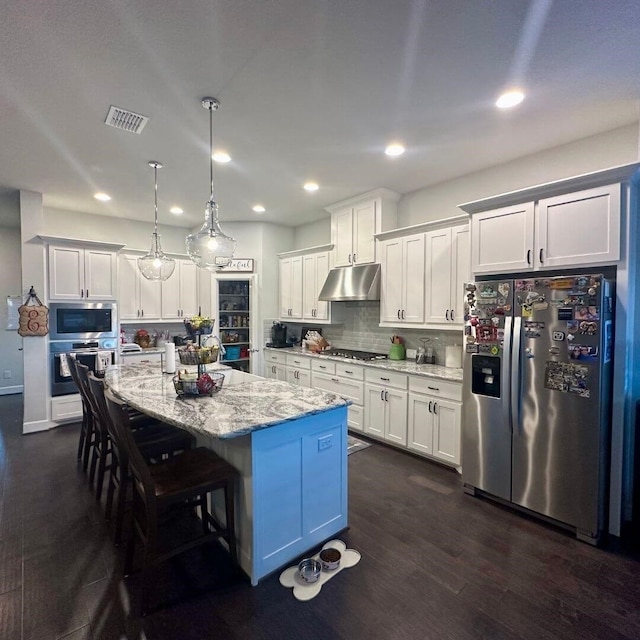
point(192, 384)
point(195, 354)
point(198, 325)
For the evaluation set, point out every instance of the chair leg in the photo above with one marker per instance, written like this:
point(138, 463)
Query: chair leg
point(131, 547)
point(229, 502)
point(83, 435)
point(111, 488)
point(88, 443)
point(95, 456)
point(120, 506)
point(102, 467)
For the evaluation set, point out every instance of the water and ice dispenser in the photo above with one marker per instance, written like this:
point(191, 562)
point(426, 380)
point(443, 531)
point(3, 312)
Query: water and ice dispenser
point(485, 375)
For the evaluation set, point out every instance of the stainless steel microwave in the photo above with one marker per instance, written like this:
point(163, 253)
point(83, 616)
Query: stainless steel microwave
point(83, 320)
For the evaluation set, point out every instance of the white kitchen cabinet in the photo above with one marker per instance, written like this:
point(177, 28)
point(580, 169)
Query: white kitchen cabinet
point(82, 273)
point(180, 292)
point(291, 288)
point(275, 371)
point(315, 267)
point(137, 297)
point(385, 405)
point(578, 229)
point(434, 418)
point(298, 370)
point(403, 292)
point(447, 270)
point(355, 222)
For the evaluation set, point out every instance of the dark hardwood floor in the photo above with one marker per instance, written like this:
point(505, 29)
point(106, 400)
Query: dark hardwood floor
point(436, 563)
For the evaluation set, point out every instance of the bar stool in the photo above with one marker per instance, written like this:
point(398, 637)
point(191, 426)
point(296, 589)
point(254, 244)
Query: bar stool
point(184, 480)
point(155, 441)
point(87, 432)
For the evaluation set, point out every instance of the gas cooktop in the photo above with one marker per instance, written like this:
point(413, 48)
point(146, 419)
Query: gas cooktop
point(355, 355)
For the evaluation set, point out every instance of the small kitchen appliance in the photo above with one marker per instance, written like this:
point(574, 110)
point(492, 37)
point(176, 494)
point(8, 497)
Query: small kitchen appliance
point(278, 335)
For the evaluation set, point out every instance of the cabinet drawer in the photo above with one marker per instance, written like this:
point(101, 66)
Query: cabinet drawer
point(299, 362)
point(278, 358)
point(386, 378)
point(435, 387)
point(323, 366)
point(66, 408)
point(349, 371)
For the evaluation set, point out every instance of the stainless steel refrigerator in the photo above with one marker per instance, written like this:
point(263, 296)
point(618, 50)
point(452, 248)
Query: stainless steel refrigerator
point(536, 404)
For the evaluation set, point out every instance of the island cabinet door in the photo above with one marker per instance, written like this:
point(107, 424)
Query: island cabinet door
point(299, 487)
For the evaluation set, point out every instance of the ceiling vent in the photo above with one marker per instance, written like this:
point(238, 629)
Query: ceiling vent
point(125, 120)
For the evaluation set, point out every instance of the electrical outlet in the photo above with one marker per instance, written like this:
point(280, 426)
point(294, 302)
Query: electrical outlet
point(324, 443)
point(7, 374)
point(411, 354)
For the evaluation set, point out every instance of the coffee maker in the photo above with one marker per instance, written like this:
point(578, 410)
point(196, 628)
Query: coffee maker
point(278, 335)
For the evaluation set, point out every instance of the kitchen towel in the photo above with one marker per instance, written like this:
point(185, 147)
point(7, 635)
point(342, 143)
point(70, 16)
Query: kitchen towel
point(64, 366)
point(169, 357)
point(103, 360)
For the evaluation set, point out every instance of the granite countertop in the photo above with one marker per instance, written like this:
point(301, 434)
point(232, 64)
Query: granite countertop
point(142, 351)
point(244, 404)
point(401, 366)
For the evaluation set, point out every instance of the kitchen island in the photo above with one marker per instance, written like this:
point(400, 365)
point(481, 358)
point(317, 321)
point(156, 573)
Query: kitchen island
point(288, 444)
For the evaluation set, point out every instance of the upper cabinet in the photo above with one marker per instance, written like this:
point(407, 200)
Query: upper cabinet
point(447, 270)
point(423, 274)
point(355, 222)
point(138, 298)
point(302, 275)
point(180, 292)
point(402, 288)
point(291, 287)
point(578, 229)
point(87, 272)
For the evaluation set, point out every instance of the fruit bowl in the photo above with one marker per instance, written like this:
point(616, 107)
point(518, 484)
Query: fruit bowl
point(205, 385)
point(199, 355)
point(198, 326)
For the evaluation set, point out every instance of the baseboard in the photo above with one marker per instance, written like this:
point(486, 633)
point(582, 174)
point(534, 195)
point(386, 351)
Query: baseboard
point(38, 425)
point(7, 391)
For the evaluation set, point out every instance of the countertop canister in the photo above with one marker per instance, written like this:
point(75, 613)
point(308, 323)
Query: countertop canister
point(453, 356)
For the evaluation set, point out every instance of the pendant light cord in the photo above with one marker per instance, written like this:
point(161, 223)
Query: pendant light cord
point(155, 219)
point(211, 148)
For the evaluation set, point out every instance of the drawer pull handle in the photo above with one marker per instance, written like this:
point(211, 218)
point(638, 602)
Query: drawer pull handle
point(349, 372)
point(385, 379)
point(320, 366)
point(335, 380)
point(434, 388)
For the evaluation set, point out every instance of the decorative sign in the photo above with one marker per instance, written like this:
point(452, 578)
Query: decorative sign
point(238, 265)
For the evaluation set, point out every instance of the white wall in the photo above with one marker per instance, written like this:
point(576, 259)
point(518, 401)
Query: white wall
point(616, 147)
point(313, 234)
point(10, 285)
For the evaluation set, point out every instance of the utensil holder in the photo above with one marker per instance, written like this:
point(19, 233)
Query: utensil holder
point(397, 352)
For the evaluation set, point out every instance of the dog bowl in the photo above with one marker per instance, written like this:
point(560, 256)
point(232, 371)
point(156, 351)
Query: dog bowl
point(330, 559)
point(309, 570)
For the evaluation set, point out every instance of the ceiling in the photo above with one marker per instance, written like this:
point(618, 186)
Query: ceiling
point(309, 90)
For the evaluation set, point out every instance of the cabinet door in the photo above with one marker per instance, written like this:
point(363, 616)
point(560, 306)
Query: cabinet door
point(364, 228)
point(66, 273)
point(303, 377)
point(322, 271)
point(438, 275)
point(413, 284)
point(171, 294)
point(150, 296)
point(502, 240)
point(391, 285)
point(100, 274)
point(129, 288)
point(205, 293)
point(296, 287)
point(460, 270)
point(374, 408)
point(579, 229)
point(188, 289)
point(343, 237)
point(285, 287)
point(291, 375)
point(446, 434)
point(270, 371)
point(420, 435)
point(355, 417)
point(281, 372)
point(309, 293)
point(396, 416)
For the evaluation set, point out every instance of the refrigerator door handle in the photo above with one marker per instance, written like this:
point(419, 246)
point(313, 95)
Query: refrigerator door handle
point(506, 373)
point(515, 375)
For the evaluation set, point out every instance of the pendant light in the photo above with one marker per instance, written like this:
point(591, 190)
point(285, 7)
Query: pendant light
point(210, 248)
point(156, 265)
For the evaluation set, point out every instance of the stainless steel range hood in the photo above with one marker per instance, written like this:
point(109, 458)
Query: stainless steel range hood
point(361, 282)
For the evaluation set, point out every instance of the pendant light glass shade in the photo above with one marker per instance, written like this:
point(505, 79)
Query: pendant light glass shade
point(156, 265)
point(210, 248)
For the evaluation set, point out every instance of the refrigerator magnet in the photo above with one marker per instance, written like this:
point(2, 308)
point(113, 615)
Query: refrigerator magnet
point(587, 313)
point(565, 313)
point(557, 336)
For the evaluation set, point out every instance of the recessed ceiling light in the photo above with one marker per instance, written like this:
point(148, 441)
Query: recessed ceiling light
point(394, 149)
point(259, 208)
point(311, 186)
point(510, 99)
point(103, 197)
point(221, 156)
point(176, 210)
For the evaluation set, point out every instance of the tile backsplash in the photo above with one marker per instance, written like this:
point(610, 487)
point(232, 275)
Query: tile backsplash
point(360, 330)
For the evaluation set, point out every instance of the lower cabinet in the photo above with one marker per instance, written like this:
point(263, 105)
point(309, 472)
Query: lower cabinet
point(386, 413)
point(434, 419)
point(275, 371)
point(298, 370)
